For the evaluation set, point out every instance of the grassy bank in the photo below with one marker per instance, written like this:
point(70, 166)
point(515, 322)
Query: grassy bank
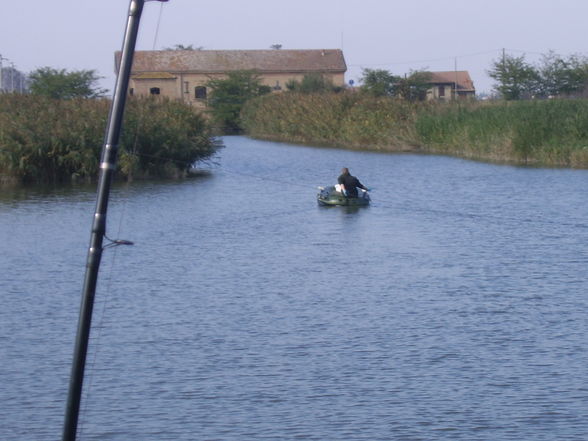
point(46, 140)
point(549, 133)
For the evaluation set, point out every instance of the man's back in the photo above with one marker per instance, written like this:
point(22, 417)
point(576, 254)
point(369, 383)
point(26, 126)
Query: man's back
point(351, 184)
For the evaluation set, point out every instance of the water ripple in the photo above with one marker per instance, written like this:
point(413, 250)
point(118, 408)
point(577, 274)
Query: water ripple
point(453, 308)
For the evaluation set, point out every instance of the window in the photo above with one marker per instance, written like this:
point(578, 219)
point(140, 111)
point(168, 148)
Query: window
point(200, 93)
point(441, 91)
point(154, 91)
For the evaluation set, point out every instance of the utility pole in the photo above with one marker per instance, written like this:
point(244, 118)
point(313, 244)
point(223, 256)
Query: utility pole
point(1, 83)
point(455, 86)
point(11, 77)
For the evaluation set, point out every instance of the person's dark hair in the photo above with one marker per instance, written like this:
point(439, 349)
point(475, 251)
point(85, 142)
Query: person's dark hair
point(344, 171)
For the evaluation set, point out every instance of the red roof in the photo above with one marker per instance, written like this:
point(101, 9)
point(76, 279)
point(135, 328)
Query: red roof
point(204, 61)
point(460, 77)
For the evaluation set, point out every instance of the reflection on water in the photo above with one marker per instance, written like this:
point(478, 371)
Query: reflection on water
point(43, 193)
point(453, 307)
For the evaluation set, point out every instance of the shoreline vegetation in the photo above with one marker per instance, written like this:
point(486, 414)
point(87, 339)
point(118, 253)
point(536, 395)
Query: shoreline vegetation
point(548, 133)
point(46, 140)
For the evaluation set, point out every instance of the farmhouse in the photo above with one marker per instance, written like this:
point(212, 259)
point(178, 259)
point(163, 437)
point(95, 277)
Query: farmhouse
point(183, 74)
point(451, 85)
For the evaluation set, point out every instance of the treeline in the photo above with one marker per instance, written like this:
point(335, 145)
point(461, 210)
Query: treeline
point(545, 132)
point(553, 76)
point(43, 139)
point(515, 79)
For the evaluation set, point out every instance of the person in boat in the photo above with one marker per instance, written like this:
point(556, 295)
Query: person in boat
point(349, 184)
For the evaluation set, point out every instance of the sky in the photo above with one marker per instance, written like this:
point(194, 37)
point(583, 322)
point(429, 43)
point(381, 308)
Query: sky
point(398, 36)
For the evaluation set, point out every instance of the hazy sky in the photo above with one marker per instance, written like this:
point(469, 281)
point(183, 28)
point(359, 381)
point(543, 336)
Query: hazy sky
point(398, 36)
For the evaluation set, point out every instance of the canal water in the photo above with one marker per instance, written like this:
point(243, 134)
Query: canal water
point(455, 307)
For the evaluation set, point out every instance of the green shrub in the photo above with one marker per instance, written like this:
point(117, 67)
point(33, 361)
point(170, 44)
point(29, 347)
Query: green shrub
point(49, 140)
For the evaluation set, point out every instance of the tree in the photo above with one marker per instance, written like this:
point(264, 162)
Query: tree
point(554, 76)
point(414, 87)
point(230, 94)
point(516, 78)
point(61, 84)
point(562, 77)
point(276, 47)
point(379, 82)
point(312, 83)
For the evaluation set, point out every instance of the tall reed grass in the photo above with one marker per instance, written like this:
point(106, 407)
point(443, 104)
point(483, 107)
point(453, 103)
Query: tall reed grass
point(342, 119)
point(47, 140)
point(551, 132)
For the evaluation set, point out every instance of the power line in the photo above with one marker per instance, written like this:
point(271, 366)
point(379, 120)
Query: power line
point(430, 60)
point(448, 58)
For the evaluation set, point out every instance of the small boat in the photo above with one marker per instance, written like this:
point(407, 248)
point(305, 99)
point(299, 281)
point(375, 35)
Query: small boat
point(332, 195)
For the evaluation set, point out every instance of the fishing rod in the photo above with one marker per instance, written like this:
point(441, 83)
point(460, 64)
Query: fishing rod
point(107, 169)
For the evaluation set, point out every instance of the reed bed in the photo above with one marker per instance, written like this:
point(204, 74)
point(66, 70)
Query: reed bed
point(43, 140)
point(548, 132)
point(543, 133)
point(343, 119)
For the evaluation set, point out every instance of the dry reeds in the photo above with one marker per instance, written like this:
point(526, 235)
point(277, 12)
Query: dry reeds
point(548, 132)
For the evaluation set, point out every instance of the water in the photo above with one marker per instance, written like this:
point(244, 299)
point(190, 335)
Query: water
point(453, 308)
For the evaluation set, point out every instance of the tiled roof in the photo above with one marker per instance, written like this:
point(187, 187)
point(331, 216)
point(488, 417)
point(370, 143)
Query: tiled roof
point(461, 77)
point(204, 61)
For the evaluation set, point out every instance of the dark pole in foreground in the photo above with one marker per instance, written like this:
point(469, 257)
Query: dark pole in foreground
point(107, 168)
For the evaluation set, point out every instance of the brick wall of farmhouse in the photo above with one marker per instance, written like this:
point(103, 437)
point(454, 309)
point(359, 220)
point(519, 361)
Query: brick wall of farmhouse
point(167, 87)
point(184, 86)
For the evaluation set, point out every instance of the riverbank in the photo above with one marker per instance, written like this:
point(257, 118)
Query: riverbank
point(44, 140)
point(550, 133)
